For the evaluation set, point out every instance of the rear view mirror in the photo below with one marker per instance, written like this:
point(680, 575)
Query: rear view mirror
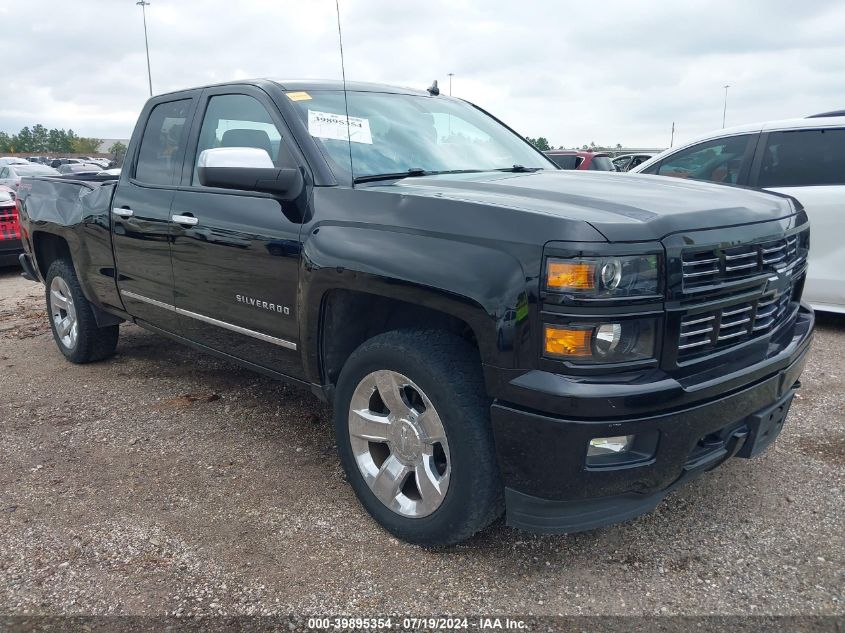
point(247, 169)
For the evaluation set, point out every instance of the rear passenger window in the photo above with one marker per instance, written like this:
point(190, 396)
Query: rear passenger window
point(801, 158)
point(719, 160)
point(163, 143)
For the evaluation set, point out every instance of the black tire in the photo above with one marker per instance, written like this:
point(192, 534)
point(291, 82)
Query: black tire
point(448, 370)
point(91, 343)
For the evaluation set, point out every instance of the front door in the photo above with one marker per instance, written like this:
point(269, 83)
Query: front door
point(236, 253)
point(141, 226)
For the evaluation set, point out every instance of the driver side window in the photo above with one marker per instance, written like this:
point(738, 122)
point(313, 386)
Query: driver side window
point(238, 121)
point(719, 160)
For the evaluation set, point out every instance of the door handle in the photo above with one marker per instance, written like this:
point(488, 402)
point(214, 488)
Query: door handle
point(187, 220)
point(124, 213)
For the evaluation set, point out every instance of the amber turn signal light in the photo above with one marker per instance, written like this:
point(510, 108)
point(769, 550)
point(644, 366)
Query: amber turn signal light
point(562, 341)
point(575, 275)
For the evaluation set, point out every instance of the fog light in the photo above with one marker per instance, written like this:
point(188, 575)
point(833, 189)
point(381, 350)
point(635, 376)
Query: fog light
point(622, 451)
point(610, 445)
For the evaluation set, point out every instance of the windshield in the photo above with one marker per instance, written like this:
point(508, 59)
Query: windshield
point(394, 133)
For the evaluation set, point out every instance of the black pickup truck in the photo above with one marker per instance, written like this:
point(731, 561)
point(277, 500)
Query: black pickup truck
point(494, 334)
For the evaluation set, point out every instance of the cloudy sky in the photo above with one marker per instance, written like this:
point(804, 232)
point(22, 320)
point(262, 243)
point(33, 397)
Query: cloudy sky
point(574, 72)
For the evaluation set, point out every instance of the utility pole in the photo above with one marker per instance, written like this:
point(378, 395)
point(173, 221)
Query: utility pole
point(725, 109)
point(672, 140)
point(450, 83)
point(144, 4)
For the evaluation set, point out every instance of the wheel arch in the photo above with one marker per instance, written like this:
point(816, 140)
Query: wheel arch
point(47, 248)
point(342, 330)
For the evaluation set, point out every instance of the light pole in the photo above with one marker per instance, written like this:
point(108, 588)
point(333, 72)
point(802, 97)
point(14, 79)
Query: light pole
point(144, 4)
point(725, 109)
point(450, 83)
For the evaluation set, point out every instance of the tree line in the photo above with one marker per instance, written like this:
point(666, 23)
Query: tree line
point(542, 143)
point(38, 139)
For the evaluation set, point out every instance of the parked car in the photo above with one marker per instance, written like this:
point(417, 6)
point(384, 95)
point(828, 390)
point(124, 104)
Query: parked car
point(13, 160)
point(494, 334)
point(576, 159)
point(102, 162)
point(804, 158)
point(10, 235)
point(58, 162)
point(626, 162)
point(115, 172)
point(10, 175)
point(79, 168)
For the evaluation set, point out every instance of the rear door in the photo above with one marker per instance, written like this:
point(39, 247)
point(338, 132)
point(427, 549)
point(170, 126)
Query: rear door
point(236, 253)
point(809, 164)
point(141, 225)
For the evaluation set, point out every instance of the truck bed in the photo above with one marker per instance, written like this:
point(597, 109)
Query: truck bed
point(79, 212)
point(63, 202)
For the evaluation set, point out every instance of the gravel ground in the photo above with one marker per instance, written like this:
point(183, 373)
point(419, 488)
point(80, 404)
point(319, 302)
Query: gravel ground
point(166, 482)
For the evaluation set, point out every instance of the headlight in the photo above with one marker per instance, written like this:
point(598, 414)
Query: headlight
point(611, 342)
point(604, 277)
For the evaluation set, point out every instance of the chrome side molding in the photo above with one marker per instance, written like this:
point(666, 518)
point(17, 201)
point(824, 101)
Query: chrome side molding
point(212, 321)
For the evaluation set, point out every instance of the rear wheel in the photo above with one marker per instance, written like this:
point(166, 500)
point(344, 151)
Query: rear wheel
point(413, 431)
point(72, 319)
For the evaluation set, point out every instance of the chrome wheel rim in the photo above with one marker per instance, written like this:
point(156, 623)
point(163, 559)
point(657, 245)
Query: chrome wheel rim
point(399, 444)
point(63, 313)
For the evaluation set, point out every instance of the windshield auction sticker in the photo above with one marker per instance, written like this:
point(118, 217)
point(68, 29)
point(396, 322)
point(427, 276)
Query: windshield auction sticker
point(333, 126)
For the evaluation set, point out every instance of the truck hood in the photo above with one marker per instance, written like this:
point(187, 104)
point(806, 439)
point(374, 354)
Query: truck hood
point(621, 207)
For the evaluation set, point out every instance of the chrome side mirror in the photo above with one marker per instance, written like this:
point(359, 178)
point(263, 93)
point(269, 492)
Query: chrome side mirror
point(248, 169)
point(235, 157)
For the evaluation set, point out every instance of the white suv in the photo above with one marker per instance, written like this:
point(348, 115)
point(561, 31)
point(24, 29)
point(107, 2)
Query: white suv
point(804, 158)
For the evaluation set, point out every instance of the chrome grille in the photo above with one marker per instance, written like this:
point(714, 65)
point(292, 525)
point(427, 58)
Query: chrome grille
point(711, 330)
point(714, 266)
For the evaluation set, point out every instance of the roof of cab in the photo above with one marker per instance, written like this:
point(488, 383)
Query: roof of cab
point(351, 86)
point(314, 85)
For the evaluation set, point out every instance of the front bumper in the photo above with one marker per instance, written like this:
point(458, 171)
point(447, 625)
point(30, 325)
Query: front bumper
point(542, 455)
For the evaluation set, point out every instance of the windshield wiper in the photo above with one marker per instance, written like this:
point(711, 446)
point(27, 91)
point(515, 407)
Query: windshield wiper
point(520, 169)
point(411, 173)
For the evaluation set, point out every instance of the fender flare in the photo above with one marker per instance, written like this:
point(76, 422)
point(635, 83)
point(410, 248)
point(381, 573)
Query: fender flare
point(472, 282)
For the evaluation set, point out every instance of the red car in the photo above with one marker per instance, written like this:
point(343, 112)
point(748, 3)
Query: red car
point(10, 233)
point(576, 159)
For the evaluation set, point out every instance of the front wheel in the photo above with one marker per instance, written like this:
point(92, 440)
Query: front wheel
point(72, 319)
point(412, 424)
